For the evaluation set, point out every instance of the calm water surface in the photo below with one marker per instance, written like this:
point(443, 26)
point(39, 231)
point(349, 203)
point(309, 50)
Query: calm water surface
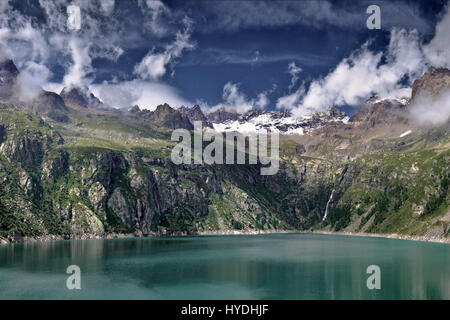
point(282, 266)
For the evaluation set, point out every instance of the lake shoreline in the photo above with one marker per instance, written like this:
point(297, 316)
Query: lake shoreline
point(46, 238)
point(354, 234)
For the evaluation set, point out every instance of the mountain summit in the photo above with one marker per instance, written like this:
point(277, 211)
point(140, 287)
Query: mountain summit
point(8, 78)
point(78, 97)
point(433, 83)
point(195, 114)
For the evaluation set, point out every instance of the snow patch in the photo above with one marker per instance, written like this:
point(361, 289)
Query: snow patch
point(276, 123)
point(405, 133)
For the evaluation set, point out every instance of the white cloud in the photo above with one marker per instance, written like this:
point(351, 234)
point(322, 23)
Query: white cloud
point(31, 79)
point(293, 70)
point(425, 110)
point(438, 50)
point(262, 101)
point(53, 87)
point(110, 52)
point(156, 13)
point(363, 74)
point(290, 101)
point(4, 6)
point(154, 65)
point(81, 63)
point(147, 95)
point(106, 6)
point(21, 41)
point(55, 19)
point(236, 100)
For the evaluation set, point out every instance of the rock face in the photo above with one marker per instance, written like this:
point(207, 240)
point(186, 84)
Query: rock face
point(76, 97)
point(222, 115)
point(84, 223)
point(195, 114)
point(134, 109)
point(2, 133)
point(8, 77)
point(52, 105)
point(433, 83)
point(166, 116)
point(376, 112)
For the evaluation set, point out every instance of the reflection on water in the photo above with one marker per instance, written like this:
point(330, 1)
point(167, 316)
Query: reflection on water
point(289, 266)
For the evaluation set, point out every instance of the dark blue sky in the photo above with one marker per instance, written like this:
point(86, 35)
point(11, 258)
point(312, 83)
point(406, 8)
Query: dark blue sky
point(248, 43)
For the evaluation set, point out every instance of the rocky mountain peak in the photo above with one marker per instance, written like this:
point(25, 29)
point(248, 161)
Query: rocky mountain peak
point(195, 114)
point(222, 114)
point(78, 97)
point(8, 71)
point(433, 82)
point(8, 76)
point(134, 109)
point(52, 105)
point(163, 110)
point(166, 116)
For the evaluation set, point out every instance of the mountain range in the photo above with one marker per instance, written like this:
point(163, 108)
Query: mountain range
point(73, 167)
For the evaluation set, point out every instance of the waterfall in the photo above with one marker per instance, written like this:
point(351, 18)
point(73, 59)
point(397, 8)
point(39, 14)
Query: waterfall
point(328, 205)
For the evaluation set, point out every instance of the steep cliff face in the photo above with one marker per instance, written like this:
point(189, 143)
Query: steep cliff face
point(380, 112)
point(195, 114)
point(8, 78)
point(87, 192)
point(433, 83)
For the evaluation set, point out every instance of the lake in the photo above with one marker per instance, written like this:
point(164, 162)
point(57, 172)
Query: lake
point(275, 266)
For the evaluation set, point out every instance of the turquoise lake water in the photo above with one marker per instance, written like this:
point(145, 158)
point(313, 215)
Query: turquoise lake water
point(278, 266)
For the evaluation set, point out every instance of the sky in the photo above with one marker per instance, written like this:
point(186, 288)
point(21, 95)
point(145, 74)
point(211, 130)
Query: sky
point(299, 55)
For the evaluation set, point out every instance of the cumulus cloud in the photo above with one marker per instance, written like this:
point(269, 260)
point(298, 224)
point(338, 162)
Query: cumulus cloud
point(291, 101)
point(154, 65)
point(234, 99)
point(262, 100)
point(145, 94)
point(363, 74)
